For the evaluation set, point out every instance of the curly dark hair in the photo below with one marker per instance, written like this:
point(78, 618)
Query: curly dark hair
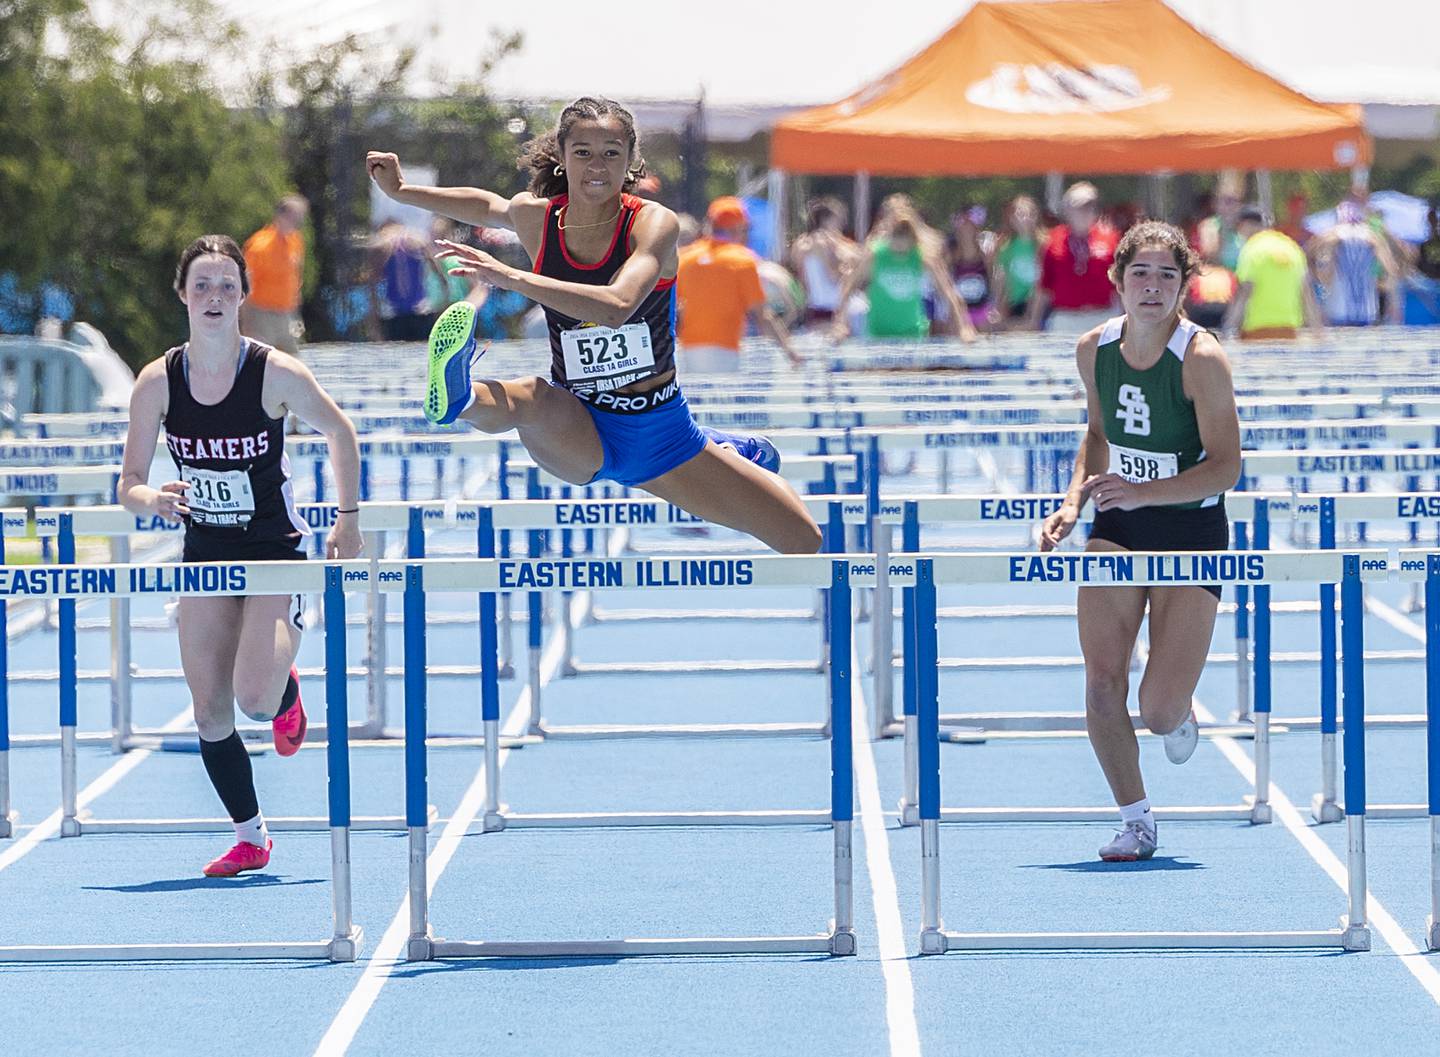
point(1155, 234)
point(221, 245)
point(544, 154)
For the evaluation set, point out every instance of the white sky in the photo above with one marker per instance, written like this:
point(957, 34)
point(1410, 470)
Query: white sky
point(774, 52)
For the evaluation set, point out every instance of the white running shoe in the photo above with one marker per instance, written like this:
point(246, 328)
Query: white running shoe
point(1136, 841)
point(1180, 743)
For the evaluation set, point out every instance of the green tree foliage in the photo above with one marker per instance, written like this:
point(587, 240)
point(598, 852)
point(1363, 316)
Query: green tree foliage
point(340, 101)
point(115, 156)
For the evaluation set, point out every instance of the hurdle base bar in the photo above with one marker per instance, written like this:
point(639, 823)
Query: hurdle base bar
point(693, 667)
point(84, 823)
point(8, 824)
point(939, 942)
point(1391, 721)
point(1243, 812)
point(836, 943)
point(1069, 722)
point(617, 616)
point(1323, 809)
point(338, 949)
point(360, 736)
point(1432, 933)
point(495, 821)
point(599, 731)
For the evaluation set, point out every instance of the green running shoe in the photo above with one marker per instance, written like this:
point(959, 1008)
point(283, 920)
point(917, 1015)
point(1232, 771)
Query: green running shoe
point(452, 351)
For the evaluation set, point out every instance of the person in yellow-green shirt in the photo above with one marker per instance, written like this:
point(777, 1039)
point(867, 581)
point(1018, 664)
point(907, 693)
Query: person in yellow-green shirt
point(1274, 299)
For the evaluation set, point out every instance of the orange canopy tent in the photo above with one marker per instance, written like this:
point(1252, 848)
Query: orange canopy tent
point(1070, 85)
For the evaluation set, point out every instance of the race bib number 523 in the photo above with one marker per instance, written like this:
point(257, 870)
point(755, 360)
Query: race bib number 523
point(595, 354)
point(1137, 466)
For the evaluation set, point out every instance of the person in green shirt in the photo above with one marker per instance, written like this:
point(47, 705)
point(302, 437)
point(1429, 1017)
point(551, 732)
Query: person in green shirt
point(1274, 299)
point(892, 271)
point(1161, 447)
point(1017, 260)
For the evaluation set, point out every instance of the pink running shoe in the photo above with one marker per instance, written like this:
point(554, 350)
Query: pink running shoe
point(244, 856)
point(288, 728)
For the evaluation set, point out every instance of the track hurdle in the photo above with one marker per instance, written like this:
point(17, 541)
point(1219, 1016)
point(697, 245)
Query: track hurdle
point(534, 516)
point(76, 582)
point(1142, 569)
point(839, 575)
point(168, 580)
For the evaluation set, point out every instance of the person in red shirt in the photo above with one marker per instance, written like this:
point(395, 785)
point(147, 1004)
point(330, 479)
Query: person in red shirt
point(1075, 285)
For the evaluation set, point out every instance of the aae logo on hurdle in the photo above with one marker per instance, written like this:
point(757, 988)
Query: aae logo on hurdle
point(1154, 568)
point(137, 580)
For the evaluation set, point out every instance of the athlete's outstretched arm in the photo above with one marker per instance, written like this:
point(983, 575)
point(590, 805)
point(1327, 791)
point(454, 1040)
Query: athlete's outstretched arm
point(655, 232)
point(469, 205)
point(289, 382)
point(147, 408)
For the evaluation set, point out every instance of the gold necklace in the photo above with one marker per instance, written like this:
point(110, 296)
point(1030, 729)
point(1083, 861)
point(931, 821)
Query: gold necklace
point(565, 211)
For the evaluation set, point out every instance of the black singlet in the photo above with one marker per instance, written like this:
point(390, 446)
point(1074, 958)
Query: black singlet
point(594, 361)
point(233, 456)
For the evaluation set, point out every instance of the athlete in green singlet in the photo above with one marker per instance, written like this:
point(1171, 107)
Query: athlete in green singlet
point(1162, 447)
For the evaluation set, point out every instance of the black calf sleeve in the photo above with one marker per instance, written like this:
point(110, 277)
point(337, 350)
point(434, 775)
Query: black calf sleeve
point(228, 765)
point(290, 693)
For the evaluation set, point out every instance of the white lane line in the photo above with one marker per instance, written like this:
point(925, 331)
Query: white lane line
point(50, 826)
point(1380, 919)
point(387, 956)
point(894, 963)
point(1396, 619)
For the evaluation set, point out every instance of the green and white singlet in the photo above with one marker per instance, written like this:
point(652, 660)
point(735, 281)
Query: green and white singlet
point(1148, 420)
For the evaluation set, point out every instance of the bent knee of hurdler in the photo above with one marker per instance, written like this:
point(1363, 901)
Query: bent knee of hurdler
point(802, 539)
point(1163, 715)
point(260, 709)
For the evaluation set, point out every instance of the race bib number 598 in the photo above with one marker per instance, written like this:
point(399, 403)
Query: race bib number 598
point(1137, 466)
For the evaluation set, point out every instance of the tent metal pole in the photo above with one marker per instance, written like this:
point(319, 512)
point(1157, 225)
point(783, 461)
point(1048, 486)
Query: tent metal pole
point(1265, 194)
point(861, 212)
point(775, 191)
point(1054, 189)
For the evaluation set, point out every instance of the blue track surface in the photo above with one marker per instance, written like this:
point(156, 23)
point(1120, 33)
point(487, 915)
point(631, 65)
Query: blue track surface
point(570, 884)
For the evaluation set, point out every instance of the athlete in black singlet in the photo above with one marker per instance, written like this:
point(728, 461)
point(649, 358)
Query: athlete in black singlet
point(223, 400)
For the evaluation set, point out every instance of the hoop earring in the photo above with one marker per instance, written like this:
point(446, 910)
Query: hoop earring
point(559, 170)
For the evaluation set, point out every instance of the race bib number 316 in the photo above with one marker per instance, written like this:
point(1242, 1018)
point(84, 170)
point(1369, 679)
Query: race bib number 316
point(1137, 466)
point(222, 498)
point(595, 354)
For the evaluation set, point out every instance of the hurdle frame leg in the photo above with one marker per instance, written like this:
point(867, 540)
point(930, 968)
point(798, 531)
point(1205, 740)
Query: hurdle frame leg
point(882, 650)
point(419, 946)
point(1432, 740)
point(121, 654)
point(1355, 926)
point(1323, 805)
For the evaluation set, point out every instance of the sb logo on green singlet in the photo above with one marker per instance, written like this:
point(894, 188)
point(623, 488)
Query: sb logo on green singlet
point(1134, 411)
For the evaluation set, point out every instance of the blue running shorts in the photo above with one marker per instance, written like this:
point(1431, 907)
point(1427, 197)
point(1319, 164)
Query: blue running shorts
point(642, 446)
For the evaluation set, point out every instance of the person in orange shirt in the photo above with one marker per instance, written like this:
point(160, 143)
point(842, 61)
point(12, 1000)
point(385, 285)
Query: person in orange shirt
point(718, 287)
point(275, 259)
